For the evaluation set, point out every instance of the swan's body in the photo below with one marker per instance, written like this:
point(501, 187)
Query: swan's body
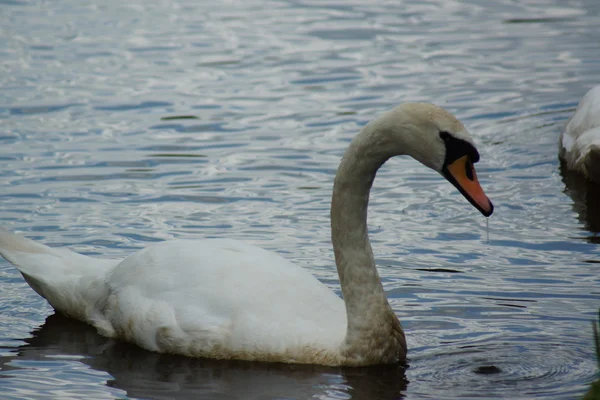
point(227, 299)
point(580, 141)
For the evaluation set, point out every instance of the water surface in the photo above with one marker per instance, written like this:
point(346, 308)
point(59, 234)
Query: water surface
point(93, 156)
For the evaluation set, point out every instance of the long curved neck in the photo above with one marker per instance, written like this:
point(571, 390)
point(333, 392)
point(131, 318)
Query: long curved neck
point(372, 325)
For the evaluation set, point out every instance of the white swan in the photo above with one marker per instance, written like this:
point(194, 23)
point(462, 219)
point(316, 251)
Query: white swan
point(226, 299)
point(580, 141)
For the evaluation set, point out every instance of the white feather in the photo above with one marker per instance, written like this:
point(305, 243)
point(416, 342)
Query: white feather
point(580, 141)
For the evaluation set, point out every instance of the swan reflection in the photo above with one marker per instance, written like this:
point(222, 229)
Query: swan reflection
point(143, 374)
point(586, 197)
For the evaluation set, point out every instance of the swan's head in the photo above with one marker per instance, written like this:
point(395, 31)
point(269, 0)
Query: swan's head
point(437, 139)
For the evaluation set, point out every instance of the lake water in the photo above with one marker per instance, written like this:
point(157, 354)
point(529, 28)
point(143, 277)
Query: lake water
point(89, 159)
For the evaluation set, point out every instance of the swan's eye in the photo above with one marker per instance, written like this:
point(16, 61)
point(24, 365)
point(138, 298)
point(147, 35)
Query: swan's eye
point(469, 170)
point(457, 148)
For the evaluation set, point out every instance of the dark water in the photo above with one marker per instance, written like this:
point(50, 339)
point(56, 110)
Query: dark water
point(90, 160)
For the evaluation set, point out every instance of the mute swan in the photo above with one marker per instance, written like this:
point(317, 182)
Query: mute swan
point(227, 299)
point(580, 141)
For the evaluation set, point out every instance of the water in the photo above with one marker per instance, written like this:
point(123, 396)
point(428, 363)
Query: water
point(90, 159)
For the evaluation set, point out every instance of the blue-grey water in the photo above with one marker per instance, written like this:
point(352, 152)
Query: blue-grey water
point(90, 159)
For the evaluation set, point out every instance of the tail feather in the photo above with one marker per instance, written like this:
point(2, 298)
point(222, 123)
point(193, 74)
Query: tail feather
point(72, 283)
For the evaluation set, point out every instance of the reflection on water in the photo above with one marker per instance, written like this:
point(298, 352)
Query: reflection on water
point(586, 200)
point(594, 391)
point(144, 374)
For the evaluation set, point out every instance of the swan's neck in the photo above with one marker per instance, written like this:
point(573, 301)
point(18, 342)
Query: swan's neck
point(373, 332)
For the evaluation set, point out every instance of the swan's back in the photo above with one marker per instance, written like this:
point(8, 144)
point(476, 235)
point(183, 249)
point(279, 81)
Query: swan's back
point(587, 114)
point(213, 298)
point(236, 297)
point(580, 141)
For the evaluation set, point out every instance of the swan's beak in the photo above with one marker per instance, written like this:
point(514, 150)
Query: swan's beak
point(461, 173)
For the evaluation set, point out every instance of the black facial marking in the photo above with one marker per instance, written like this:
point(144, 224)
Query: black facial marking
point(469, 170)
point(457, 148)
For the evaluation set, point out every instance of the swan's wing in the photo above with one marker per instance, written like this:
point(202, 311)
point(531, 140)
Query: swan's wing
point(220, 294)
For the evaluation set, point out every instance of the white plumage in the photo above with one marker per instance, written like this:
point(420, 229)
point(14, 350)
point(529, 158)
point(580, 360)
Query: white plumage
point(580, 141)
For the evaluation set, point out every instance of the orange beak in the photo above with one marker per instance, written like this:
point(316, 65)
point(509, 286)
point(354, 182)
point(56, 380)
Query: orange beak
point(461, 173)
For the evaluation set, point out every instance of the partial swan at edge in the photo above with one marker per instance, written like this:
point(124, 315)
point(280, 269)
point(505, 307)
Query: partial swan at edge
point(579, 143)
point(227, 299)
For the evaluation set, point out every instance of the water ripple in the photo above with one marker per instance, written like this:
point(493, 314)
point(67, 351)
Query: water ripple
point(126, 123)
point(485, 369)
